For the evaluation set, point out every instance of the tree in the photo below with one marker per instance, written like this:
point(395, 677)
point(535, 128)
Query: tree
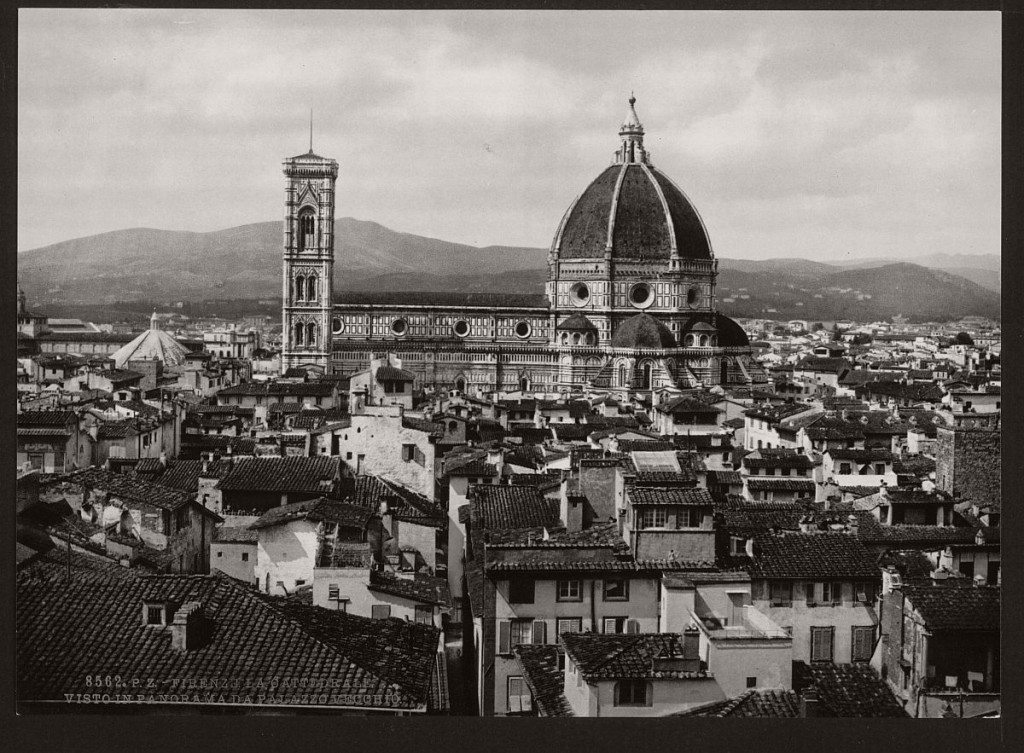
point(962, 338)
point(817, 327)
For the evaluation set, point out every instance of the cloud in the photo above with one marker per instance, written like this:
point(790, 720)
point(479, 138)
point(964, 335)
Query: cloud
point(787, 130)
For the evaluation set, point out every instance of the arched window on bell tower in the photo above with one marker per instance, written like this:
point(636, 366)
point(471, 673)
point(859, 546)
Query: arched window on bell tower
point(307, 230)
point(311, 335)
point(311, 288)
point(622, 375)
point(299, 331)
point(300, 288)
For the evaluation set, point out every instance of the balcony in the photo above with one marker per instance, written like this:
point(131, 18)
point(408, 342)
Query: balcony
point(746, 624)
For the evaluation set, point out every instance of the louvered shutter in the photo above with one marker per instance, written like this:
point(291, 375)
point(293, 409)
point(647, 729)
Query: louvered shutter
point(504, 637)
point(540, 632)
point(632, 626)
point(515, 691)
point(609, 625)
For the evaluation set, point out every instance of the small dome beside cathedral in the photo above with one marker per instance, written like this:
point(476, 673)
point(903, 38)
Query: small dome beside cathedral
point(643, 331)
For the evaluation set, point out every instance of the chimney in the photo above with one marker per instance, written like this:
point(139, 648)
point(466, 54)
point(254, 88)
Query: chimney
point(496, 458)
point(810, 706)
point(613, 444)
point(691, 649)
point(749, 547)
point(163, 459)
point(807, 524)
point(571, 506)
point(189, 628)
point(852, 524)
point(980, 579)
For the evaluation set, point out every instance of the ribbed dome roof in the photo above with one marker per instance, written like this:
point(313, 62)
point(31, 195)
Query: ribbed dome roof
point(632, 208)
point(153, 343)
point(643, 331)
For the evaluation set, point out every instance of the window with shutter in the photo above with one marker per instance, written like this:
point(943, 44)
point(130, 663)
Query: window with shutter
point(569, 625)
point(380, 611)
point(863, 643)
point(521, 632)
point(821, 643)
point(540, 632)
point(632, 626)
point(518, 696)
point(505, 637)
point(613, 624)
point(424, 615)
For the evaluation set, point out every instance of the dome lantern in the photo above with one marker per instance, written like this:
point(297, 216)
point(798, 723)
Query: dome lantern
point(632, 134)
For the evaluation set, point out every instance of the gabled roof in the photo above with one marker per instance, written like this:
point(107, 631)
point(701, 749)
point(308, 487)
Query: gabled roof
point(287, 474)
point(616, 656)
point(365, 662)
point(812, 555)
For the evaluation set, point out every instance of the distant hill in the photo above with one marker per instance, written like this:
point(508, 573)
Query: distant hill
point(241, 261)
point(245, 263)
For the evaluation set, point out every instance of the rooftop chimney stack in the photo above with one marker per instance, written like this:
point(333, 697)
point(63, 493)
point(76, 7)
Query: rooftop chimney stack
point(810, 705)
point(189, 628)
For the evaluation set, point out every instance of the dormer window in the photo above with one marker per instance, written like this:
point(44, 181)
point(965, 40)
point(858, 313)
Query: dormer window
point(156, 613)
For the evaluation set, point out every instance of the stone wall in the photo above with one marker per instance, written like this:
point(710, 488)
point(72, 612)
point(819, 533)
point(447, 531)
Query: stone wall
point(968, 463)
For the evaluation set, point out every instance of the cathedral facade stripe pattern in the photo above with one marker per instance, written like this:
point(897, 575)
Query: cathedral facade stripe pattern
point(629, 304)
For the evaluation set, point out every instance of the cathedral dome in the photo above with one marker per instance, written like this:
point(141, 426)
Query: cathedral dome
point(643, 331)
point(633, 210)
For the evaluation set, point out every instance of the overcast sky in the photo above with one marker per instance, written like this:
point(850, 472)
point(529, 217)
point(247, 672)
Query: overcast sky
point(795, 134)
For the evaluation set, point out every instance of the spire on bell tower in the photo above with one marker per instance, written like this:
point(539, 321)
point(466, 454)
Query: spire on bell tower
point(632, 134)
point(310, 130)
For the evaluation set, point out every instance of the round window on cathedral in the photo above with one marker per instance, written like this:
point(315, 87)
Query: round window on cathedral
point(523, 329)
point(337, 326)
point(693, 296)
point(399, 326)
point(461, 328)
point(641, 295)
point(579, 294)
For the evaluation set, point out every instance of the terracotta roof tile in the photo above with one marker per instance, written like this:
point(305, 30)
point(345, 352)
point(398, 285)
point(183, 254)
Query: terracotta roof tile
point(812, 555)
point(961, 607)
point(539, 664)
point(288, 474)
point(689, 497)
point(373, 663)
point(511, 507)
point(614, 656)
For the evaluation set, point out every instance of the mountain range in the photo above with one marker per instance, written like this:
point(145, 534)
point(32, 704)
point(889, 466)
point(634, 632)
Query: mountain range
point(245, 262)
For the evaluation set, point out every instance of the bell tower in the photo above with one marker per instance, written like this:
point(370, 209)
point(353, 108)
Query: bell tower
point(307, 285)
